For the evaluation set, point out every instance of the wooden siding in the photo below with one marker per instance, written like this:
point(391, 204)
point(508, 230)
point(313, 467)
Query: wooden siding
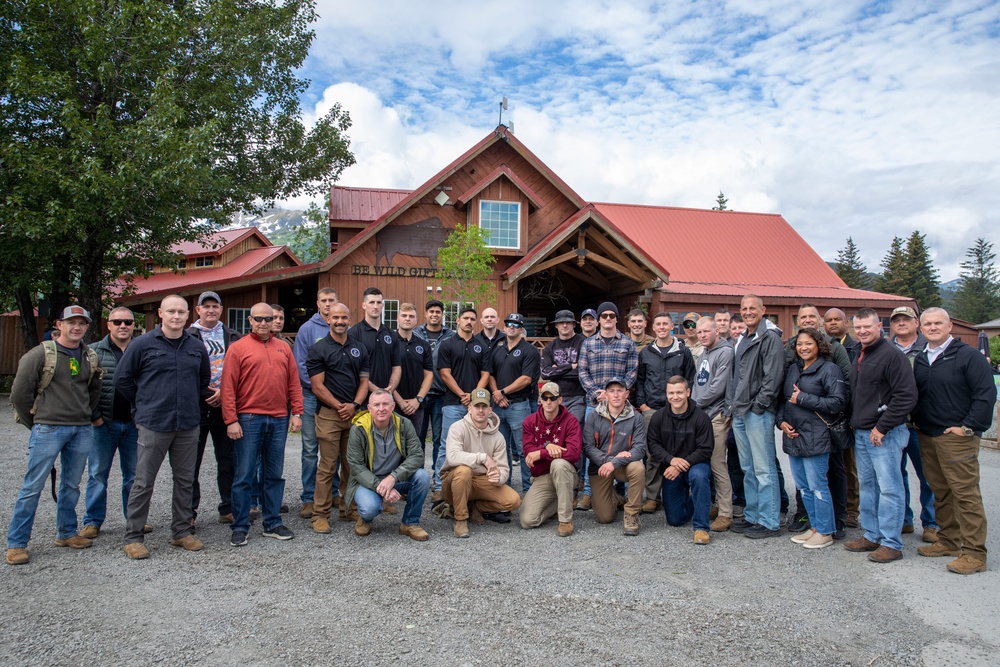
point(280, 262)
point(234, 250)
point(12, 341)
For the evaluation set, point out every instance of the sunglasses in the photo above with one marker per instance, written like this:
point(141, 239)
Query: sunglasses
point(608, 316)
point(546, 397)
point(262, 318)
point(690, 325)
point(512, 325)
point(118, 323)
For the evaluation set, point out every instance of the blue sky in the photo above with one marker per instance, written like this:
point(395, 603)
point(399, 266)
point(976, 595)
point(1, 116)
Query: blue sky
point(848, 118)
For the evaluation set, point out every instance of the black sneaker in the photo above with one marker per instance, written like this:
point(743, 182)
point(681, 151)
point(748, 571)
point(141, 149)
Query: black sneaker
point(497, 517)
point(239, 538)
point(759, 532)
point(279, 532)
point(741, 525)
point(798, 524)
point(840, 532)
point(284, 508)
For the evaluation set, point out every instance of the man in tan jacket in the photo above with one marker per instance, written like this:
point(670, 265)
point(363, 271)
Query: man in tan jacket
point(476, 468)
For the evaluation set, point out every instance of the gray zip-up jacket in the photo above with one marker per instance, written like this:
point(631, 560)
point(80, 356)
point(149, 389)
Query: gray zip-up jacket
point(758, 373)
point(712, 378)
point(605, 437)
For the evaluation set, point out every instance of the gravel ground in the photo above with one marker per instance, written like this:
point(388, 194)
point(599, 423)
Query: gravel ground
point(506, 596)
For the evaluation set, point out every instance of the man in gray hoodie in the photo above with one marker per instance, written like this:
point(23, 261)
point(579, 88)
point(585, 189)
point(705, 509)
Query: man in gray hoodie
point(712, 378)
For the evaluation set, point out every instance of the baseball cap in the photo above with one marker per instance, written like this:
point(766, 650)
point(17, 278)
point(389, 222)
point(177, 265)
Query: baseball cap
point(903, 310)
point(514, 318)
point(591, 312)
point(480, 397)
point(549, 388)
point(209, 295)
point(565, 316)
point(691, 317)
point(615, 380)
point(75, 311)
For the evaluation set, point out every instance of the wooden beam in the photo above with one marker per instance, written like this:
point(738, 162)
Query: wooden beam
point(598, 281)
point(541, 266)
point(609, 247)
point(617, 268)
point(581, 244)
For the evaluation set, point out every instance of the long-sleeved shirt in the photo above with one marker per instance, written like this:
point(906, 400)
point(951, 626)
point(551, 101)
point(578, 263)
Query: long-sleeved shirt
point(260, 378)
point(602, 360)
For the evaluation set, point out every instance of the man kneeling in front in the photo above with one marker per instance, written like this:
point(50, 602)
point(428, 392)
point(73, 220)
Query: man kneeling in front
point(550, 438)
point(476, 468)
point(386, 460)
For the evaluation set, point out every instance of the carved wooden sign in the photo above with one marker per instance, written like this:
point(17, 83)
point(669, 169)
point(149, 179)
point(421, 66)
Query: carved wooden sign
point(421, 239)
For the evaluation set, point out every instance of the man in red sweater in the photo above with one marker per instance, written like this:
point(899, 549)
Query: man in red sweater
point(550, 438)
point(259, 381)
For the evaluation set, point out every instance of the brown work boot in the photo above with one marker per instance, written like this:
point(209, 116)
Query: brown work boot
point(630, 525)
point(188, 543)
point(721, 524)
point(885, 554)
point(565, 529)
point(362, 528)
point(937, 550)
point(860, 544)
point(17, 556)
point(713, 512)
point(930, 535)
point(476, 514)
point(74, 542)
point(702, 537)
point(338, 502)
point(307, 511)
point(146, 528)
point(851, 521)
point(89, 532)
point(583, 503)
point(966, 564)
point(389, 508)
point(436, 497)
point(650, 506)
point(907, 528)
point(461, 528)
point(320, 525)
point(414, 532)
point(226, 518)
point(136, 550)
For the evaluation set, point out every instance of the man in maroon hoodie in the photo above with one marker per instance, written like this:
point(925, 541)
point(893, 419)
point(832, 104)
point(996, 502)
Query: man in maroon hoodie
point(550, 439)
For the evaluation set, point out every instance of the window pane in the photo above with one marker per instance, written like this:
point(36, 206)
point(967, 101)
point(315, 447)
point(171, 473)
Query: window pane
point(390, 313)
point(238, 320)
point(503, 222)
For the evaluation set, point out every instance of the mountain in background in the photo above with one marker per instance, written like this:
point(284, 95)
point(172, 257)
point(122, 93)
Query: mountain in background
point(277, 224)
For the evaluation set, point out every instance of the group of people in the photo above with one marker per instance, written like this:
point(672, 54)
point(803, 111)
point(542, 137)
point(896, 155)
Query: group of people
point(601, 420)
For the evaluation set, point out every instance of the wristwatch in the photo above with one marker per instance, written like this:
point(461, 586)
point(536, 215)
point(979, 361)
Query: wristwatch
point(967, 432)
point(420, 399)
point(357, 406)
point(295, 415)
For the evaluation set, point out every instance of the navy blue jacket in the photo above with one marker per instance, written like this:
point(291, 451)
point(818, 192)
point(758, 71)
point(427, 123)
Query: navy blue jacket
point(165, 384)
point(821, 389)
point(957, 390)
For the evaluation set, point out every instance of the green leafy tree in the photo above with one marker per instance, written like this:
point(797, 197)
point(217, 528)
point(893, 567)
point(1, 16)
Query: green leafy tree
point(127, 126)
point(923, 276)
point(311, 243)
point(465, 265)
point(720, 202)
point(895, 277)
point(978, 296)
point(851, 269)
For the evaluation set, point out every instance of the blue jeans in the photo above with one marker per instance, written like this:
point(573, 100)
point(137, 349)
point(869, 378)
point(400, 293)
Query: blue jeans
point(70, 444)
point(449, 415)
point(584, 460)
point(755, 442)
point(310, 447)
point(809, 473)
point(927, 519)
point(511, 419)
point(110, 437)
point(415, 488)
point(689, 497)
point(432, 418)
point(880, 485)
point(264, 438)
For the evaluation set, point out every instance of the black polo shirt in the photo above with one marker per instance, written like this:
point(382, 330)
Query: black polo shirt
point(508, 365)
point(490, 345)
point(382, 350)
point(466, 361)
point(345, 366)
point(416, 357)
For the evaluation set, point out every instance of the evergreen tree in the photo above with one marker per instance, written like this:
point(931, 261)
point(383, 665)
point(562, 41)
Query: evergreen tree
point(978, 296)
point(923, 287)
point(850, 268)
point(720, 202)
point(895, 278)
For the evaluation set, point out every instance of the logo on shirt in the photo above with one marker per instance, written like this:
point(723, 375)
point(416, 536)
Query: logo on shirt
point(517, 353)
point(355, 352)
point(387, 339)
point(477, 349)
point(419, 349)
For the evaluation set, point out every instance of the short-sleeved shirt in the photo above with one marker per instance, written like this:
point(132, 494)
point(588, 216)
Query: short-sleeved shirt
point(382, 352)
point(344, 365)
point(510, 364)
point(416, 357)
point(491, 343)
point(466, 361)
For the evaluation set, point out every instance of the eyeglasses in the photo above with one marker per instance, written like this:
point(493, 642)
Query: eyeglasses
point(118, 323)
point(690, 325)
point(262, 318)
point(546, 397)
point(512, 325)
point(608, 316)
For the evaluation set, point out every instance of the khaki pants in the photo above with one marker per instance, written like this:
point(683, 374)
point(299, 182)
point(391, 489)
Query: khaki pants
point(951, 468)
point(720, 467)
point(550, 494)
point(332, 432)
point(654, 478)
point(853, 495)
point(604, 504)
point(460, 485)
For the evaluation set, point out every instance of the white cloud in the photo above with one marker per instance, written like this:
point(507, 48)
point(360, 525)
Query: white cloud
point(847, 118)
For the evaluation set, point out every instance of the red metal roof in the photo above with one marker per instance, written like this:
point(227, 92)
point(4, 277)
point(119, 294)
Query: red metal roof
point(363, 204)
point(729, 246)
point(844, 295)
point(245, 264)
point(219, 240)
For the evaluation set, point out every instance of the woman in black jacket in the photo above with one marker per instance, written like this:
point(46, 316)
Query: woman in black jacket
point(814, 394)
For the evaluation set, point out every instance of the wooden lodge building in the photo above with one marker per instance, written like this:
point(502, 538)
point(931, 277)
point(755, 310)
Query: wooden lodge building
point(553, 248)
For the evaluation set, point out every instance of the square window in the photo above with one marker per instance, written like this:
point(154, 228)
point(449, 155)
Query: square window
point(182, 264)
point(451, 309)
point(239, 320)
point(390, 313)
point(502, 219)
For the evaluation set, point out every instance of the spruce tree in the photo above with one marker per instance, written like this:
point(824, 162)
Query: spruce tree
point(978, 296)
point(850, 268)
point(923, 276)
point(895, 277)
point(720, 202)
